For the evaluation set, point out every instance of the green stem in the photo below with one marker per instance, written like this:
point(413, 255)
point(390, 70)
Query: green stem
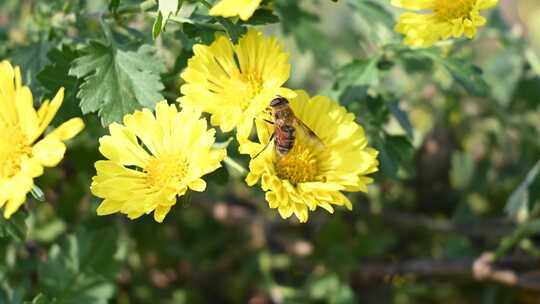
point(205, 3)
point(182, 20)
point(523, 231)
point(106, 29)
point(235, 165)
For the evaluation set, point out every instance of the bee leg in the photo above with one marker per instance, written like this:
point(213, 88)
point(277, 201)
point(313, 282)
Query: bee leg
point(266, 120)
point(266, 146)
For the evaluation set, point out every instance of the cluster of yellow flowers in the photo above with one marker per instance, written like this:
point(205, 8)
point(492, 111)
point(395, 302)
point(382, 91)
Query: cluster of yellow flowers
point(235, 84)
point(154, 158)
point(440, 20)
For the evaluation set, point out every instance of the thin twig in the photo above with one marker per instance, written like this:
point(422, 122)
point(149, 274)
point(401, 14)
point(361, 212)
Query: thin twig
point(504, 271)
point(487, 228)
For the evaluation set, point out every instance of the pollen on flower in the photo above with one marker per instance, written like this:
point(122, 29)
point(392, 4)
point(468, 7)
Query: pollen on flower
point(253, 84)
point(438, 20)
point(235, 82)
point(453, 9)
point(15, 147)
point(300, 165)
point(172, 152)
point(316, 171)
point(165, 170)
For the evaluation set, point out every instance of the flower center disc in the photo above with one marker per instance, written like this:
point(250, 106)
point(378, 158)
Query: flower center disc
point(251, 85)
point(299, 165)
point(454, 9)
point(162, 171)
point(13, 147)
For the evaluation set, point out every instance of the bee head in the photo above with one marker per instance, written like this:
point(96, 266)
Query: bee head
point(279, 101)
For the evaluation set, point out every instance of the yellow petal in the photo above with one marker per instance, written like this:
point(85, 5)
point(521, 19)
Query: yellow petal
point(47, 115)
point(109, 206)
point(21, 187)
point(229, 8)
point(122, 147)
point(198, 185)
point(67, 130)
point(7, 94)
point(49, 152)
point(28, 120)
point(160, 213)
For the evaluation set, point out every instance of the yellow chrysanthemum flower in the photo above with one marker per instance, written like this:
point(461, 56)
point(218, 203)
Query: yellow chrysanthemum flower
point(22, 155)
point(235, 83)
point(443, 19)
point(230, 8)
point(154, 159)
point(313, 174)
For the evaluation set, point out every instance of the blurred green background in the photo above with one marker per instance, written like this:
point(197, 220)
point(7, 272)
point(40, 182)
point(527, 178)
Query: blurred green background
point(457, 127)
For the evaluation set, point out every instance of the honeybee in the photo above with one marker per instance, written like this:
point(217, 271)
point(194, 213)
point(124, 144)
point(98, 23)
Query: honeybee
point(286, 125)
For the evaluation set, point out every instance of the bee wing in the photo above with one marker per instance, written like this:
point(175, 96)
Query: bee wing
point(310, 134)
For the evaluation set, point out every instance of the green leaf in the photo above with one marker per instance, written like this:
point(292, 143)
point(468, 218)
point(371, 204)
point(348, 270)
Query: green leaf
point(518, 202)
point(56, 75)
point(14, 227)
point(202, 28)
point(467, 75)
point(302, 25)
point(261, 17)
point(234, 30)
point(402, 117)
point(166, 10)
point(374, 11)
point(116, 81)
point(197, 29)
point(158, 24)
point(82, 269)
point(41, 299)
point(32, 59)
point(503, 71)
point(394, 150)
point(358, 72)
point(113, 5)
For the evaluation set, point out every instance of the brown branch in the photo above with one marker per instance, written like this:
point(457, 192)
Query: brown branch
point(487, 228)
point(505, 271)
point(244, 210)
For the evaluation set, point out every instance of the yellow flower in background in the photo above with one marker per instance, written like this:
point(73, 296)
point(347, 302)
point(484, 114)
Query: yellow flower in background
point(22, 155)
point(312, 174)
point(440, 19)
point(230, 8)
point(235, 83)
point(154, 159)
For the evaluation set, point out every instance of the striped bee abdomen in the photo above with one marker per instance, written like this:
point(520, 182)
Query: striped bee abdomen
point(285, 139)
